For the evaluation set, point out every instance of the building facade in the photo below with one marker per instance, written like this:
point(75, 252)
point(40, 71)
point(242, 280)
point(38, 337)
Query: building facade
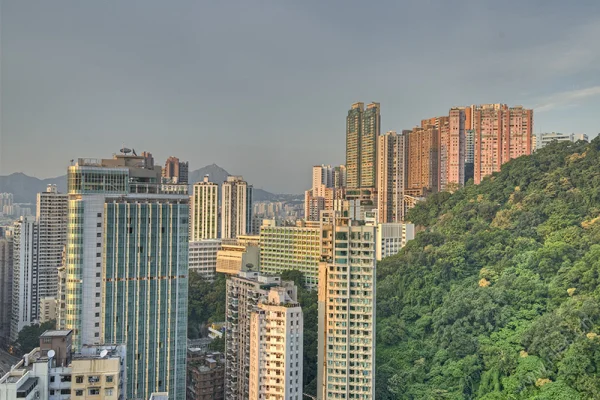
point(175, 171)
point(241, 254)
point(276, 346)
point(236, 208)
point(346, 354)
point(243, 295)
point(203, 257)
point(205, 376)
point(126, 271)
point(546, 138)
point(362, 129)
point(52, 225)
point(423, 161)
point(25, 295)
point(391, 176)
point(6, 283)
point(501, 134)
point(204, 221)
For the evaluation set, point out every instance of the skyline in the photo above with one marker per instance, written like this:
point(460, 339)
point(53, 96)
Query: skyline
point(250, 87)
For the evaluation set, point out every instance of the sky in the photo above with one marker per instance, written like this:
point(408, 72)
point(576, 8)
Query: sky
point(262, 88)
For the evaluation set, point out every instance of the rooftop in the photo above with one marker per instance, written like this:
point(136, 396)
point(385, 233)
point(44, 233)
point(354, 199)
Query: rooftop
point(57, 333)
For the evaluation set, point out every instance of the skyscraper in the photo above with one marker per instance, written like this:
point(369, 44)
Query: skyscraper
point(236, 207)
point(391, 176)
point(362, 130)
point(501, 134)
point(6, 282)
point(52, 225)
point(25, 295)
point(204, 220)
point(126, 268)
point(276, 346)
point(175, 171)
point(244, 293)
point(346, 354)
point(423, 161)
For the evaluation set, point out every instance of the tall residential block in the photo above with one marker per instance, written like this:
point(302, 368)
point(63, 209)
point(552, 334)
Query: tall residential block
point(6, 282)
point(501, 134)
point(422, 161)
point(204, 222)
point(25, 297)
point(126, 272)
point(276, 346)
point(362, 129)
point(391, 176)
point(346, 353)
point(52, 227)
point(453, 147)
point(236, 207)
point(244, 293)
point(175, 171)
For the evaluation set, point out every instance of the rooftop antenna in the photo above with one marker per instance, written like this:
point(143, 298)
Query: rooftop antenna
point(51, 353)
point(103, 353)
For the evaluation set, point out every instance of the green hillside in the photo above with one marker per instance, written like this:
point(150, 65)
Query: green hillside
point(499, 297)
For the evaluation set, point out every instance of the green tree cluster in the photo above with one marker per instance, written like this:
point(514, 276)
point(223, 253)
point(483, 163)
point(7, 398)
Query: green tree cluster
point(499, 297)
point(206, 303)
point(29, 336)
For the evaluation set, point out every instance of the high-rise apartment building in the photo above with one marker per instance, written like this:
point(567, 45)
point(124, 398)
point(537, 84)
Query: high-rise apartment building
point(52, 227)
point(276, 346)
point(204, 221)
point(423, 161)
point(6, 282)
point(453, 147)
point(501, 134)
point(127, 268)
point(346, 354)
point(299, 247)
point(175, 171)
point(236, 207)
point(244, 292)
point(25, 295)
point(391, 176)
point(339, 177)
point(362, 130)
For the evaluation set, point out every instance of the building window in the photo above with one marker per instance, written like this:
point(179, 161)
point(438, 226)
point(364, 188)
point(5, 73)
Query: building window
point(109, 379)
point(94, 392)
point(79, 393)
point(108, 392)
point(79, 379)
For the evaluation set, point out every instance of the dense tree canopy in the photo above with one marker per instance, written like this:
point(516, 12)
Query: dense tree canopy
point(29, 336)
point(498, 297)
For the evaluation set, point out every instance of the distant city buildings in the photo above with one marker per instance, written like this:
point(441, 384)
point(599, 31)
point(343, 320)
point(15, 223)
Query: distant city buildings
point(175, 171)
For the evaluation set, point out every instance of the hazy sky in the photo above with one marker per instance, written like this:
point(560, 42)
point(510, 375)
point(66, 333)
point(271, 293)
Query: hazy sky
point(262, 88)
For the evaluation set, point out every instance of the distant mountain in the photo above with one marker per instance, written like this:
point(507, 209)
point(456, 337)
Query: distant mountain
point(25, 188)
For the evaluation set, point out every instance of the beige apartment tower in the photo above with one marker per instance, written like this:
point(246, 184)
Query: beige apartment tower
point(346, 303)
point(276, 346)
point(204, 221)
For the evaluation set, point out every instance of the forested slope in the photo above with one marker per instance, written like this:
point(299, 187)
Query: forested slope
point(498, 298)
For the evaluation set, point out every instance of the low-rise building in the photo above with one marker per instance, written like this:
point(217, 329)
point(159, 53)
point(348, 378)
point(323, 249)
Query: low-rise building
point(240, 254)
point(205, 375)
point(203, 257)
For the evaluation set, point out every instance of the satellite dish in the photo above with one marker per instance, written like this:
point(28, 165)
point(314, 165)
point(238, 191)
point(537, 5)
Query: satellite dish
point(51, 353)
point(125, 150)
point(103, 353)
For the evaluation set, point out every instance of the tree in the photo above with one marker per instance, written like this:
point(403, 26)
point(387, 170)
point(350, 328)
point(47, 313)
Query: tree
point(29, 336)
